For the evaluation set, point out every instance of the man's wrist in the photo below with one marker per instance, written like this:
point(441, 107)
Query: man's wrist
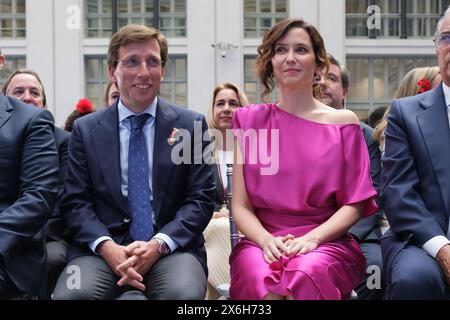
point(103, 246)
point(163, 248)
point(443, 252)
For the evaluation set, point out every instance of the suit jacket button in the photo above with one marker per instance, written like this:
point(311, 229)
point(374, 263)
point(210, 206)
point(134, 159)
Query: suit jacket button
point(126, 220)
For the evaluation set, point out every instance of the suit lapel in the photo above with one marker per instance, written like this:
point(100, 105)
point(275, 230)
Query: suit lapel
point(166, 121)
point(5, 110)
point(434, 126)
point(107, 149)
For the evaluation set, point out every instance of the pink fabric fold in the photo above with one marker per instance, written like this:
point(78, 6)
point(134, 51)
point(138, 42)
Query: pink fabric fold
point(321, 167)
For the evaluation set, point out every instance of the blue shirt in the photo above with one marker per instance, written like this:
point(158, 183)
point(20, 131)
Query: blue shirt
point(124, 139)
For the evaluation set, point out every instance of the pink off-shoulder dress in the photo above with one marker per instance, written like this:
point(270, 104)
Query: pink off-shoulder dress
point(321, 167)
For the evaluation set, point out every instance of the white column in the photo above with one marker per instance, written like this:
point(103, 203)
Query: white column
point(332, 27)
point(68, 56)
point(229, 22)
point(40, 43)
point(306, 10)
point(201, 56)
point(328, 17)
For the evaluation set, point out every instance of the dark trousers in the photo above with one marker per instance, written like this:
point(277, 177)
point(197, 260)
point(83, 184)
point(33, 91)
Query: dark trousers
point(7, 288)
point(414, 274)
point(56, 262)
point(178, 276)
point(372, 287)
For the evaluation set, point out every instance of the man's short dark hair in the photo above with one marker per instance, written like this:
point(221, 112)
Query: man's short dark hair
point(344, 72)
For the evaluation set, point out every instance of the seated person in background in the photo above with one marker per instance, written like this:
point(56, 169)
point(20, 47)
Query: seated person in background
point(227, 98)
point(111, 94)
point(137, 211)
point(26, 85)
point(295, 207)
point(83, 107)
point(333, 90)
point(28, 190)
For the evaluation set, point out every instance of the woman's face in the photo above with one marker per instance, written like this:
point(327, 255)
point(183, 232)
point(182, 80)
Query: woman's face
point(113, 95)
point(225, 105)
point(294, 61)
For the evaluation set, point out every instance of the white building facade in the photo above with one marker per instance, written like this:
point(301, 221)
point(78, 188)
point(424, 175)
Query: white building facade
point(213, 41)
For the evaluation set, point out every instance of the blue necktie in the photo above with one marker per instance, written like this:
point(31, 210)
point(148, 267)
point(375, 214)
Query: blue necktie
point(141, 228)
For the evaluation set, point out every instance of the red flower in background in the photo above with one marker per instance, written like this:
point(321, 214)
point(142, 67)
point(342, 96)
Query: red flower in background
point(84, 106)
point(424, 85)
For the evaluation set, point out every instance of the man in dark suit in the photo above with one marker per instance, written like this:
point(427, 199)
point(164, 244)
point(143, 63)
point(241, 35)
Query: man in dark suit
point(416, 187)
point(28, 188)
point(26, 85)
point(137, 227)
point(333, 92)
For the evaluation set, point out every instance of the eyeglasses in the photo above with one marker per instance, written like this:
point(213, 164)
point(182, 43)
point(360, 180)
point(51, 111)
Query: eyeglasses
point(134, 62)
point(442, 40)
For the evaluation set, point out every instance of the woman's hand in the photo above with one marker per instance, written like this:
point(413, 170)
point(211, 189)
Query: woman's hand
point(301, 245)
point(274, 247)
point(223, 213)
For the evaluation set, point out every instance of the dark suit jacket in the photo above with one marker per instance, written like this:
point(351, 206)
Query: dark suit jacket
point(56, 228)
point(28, 188)
point(93, 203)
point(415, 190)
point(368, 228)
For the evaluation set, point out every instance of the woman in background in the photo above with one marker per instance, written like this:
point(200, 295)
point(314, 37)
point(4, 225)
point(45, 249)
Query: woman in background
point(227, 98)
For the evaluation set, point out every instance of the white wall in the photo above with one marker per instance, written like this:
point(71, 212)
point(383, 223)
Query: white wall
point(229, 21)
point(201, 56)
point(53, 50)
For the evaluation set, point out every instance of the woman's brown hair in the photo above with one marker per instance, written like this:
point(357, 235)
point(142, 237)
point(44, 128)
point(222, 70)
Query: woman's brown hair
point(263, 63)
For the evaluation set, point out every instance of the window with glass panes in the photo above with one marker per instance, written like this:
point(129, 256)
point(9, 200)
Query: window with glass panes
point(99, 16)
point(260, 15)
point(252, 85)
point(398, 19)
point(12, 19)
point(173, 88)
point(12, 63)
point(134, 11)
point(172, 18)
point(422, 16)
point(374, 80)
point(96, 79)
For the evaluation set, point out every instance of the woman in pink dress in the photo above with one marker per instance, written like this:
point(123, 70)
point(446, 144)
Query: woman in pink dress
point(302, 183)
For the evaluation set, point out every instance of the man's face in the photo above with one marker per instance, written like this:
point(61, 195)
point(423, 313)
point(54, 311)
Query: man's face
point(26, 88)
point(138, 83)
point(332, 93)
point(443, 51)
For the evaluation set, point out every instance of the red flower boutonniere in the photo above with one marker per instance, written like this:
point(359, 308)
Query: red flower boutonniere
point(424, 85)
point(171, 140)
